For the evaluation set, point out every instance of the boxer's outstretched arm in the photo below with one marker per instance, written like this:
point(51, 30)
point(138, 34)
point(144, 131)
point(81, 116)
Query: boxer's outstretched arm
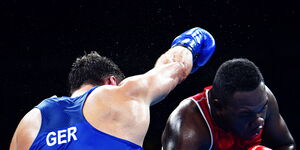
point(190, 50)
point(276, 134)
point(171, 68)
point(186, 129)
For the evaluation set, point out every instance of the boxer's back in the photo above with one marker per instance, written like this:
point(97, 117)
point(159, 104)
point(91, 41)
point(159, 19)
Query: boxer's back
point(64, 127)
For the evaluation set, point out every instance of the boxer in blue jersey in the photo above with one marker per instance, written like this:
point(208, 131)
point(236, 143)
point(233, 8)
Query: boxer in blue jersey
point(106, 111)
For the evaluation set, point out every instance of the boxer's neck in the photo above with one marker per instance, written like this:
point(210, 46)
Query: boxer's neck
point(84, 88)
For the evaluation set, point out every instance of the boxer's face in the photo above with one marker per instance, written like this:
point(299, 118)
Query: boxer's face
point(246, 112)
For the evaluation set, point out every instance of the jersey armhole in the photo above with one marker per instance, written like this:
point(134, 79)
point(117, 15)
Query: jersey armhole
point(211, 135)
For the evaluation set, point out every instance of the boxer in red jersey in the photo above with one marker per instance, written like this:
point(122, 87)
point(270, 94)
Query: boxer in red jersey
point(238, 112)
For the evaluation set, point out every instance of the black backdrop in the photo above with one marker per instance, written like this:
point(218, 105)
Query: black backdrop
point(39, 40)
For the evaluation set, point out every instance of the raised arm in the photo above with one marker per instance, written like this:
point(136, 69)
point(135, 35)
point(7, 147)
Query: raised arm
point(189, 51)
point(276, 134)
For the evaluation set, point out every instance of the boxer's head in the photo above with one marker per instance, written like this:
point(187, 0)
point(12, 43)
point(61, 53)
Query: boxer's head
point(239, 98)
point(95, 70)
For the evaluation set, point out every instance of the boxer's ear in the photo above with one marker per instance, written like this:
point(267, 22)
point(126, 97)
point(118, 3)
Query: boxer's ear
point(217, 103)
point(219, 108)
point(111, 80)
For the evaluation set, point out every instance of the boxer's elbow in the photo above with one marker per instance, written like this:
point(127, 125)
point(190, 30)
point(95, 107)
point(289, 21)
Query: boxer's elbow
point(291, 146)
point(286, 146)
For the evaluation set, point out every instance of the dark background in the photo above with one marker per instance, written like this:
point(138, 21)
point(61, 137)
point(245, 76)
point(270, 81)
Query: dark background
point(39, 40)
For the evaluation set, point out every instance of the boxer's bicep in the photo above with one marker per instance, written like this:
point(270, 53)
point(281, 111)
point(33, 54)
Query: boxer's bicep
point(276, 133)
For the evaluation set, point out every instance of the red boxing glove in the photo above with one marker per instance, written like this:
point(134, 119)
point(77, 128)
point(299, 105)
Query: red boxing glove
point(259, 147)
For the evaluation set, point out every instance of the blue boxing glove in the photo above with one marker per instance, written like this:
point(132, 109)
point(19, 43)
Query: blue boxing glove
point(200, 42)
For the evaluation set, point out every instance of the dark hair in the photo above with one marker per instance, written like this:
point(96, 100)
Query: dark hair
point(92, 69)
point(236, 75)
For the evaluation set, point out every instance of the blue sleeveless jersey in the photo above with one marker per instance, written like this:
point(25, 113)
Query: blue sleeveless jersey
point(64, 127)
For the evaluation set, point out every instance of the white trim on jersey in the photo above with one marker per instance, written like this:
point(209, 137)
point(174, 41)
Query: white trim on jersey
point(211, 135)
point(206, 94)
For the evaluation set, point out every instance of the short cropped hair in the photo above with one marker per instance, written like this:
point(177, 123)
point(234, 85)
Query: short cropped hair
point(92, 69)
point(236, 75)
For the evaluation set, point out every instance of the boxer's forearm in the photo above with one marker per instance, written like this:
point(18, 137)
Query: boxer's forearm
point(179, 55)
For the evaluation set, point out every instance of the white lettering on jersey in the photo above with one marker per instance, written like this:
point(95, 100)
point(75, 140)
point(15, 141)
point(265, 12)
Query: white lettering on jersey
point(53, 139)
point(62, 136)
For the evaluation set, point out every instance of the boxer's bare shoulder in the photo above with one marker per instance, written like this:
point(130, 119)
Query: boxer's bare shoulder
point(27, 130)
point(186, 128)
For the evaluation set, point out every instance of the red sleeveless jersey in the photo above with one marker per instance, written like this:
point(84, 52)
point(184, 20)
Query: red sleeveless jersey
point(221, 140)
